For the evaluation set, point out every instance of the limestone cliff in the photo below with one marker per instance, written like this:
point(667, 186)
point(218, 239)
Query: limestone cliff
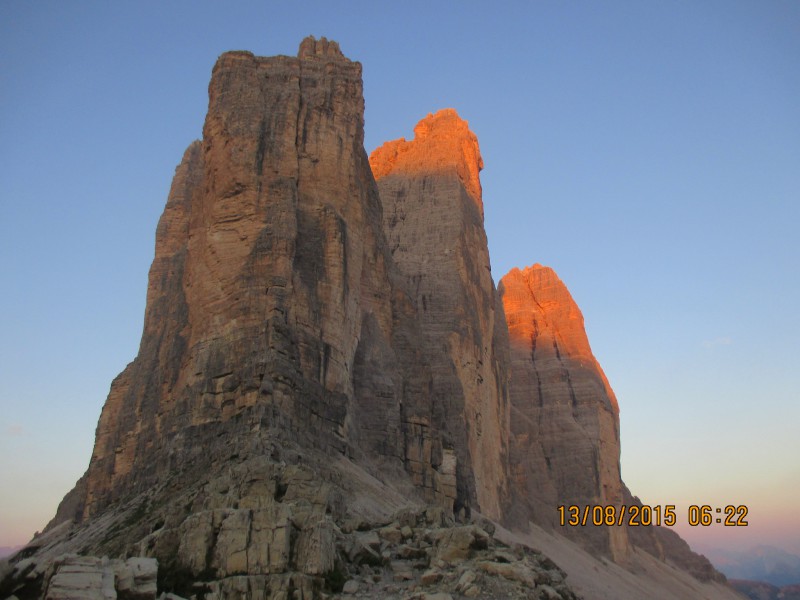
point(278, 335)
point(565, 419)
point(282, 362)
point(270, 287)
point(325, 379)
point(564, 442)
point(433, 218)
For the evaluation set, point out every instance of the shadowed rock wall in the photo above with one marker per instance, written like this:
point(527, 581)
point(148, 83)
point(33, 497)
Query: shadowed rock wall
point(272, 297)
point(321, 350)
point(565, 419)
point(433, 218)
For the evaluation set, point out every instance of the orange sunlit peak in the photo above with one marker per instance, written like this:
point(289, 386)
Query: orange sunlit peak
point(442, 143)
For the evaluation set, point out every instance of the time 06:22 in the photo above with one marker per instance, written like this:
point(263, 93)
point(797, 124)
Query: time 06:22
point(644, 515)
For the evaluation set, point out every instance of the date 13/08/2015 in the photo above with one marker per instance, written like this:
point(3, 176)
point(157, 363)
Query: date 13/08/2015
point(644, 515)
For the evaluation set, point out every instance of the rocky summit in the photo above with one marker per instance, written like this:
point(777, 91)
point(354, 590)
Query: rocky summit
point(330, 398)
point(566, 418)
point(433, 220)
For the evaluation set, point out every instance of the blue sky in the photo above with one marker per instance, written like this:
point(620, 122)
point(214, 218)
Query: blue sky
point(648, 151)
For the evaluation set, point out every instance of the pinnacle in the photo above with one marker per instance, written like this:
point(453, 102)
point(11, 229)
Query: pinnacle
point(312, 46)
point(442, 142)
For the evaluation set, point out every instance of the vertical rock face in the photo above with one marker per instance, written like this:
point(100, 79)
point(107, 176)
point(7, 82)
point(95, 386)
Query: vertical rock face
point(321, 351)
point(271, 298)
point(433, 218)
point(565, 420)
point(127, 425)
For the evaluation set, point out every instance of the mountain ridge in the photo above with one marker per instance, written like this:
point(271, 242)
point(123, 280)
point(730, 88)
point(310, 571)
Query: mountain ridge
point(325, 361)
point(769, 564)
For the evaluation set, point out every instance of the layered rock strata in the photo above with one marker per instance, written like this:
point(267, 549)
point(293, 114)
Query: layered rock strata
point(565, 419)
point(271, 297)
point(90, 578)
point(433, 218)
point(416, 553)
point(564, 443)
point(320, 352)
point(278, 332)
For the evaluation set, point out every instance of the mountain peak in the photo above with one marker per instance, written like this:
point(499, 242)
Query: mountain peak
point(328, 379)
point(312, 46)
point(442, 143)
point(566, 422)
point(534, 299)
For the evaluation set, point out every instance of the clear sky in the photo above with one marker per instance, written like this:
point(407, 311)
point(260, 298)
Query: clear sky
point(648, 151)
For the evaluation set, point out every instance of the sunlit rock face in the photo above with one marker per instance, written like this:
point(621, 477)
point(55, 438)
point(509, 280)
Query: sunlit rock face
point(564, 415)
point(443, 144)
point(269, 283)
point(433, 219)
point(283, 345)
point(325, 373)
point(564, 438)
point(279, 345)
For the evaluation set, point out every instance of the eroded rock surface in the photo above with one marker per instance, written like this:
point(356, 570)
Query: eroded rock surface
point(73, 577)
point(565, 419)
point(417, 553)
point(565, 426)
point(273, 303)
point(269, 264)
point(320, 404)
point(433, 218)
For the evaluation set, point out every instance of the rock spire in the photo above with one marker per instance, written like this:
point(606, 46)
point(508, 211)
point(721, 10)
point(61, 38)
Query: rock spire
point(443, 144)
point(565, 423)
point(433, 219)
point(330, 394)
